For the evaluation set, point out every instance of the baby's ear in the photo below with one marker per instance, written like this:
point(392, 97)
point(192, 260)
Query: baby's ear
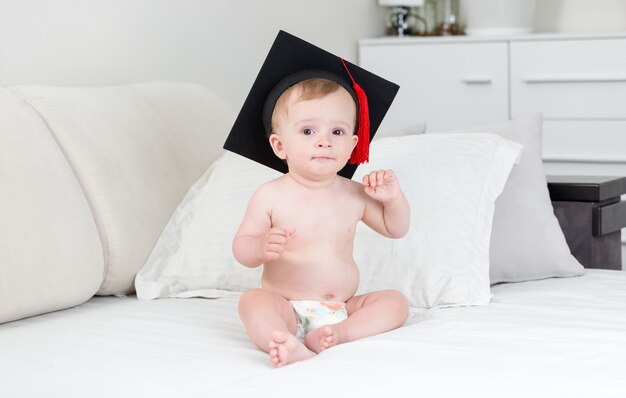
point(277, 146)
point(355, 139)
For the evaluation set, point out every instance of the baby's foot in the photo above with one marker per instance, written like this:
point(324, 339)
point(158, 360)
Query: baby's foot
point(321, 338)
point(285, 348)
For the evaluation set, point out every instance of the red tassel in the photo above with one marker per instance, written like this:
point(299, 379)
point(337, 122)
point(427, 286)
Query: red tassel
point(360, 154)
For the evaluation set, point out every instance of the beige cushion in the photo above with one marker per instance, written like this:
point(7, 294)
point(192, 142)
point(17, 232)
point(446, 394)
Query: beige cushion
point(136, 150)
point(50, 252)
point(527, 242)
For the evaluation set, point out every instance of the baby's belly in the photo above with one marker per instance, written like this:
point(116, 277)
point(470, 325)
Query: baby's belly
point(330, 279)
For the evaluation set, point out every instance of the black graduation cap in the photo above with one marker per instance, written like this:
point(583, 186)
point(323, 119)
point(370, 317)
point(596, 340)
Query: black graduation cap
point(292, 60)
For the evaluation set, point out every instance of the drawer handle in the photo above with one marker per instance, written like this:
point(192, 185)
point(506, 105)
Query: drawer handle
point(583, 159)
point(476, 80)
point(573, 79)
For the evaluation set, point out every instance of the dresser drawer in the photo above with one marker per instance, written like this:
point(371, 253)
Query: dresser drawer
point(569, 79)
point(598, 141)
point(588, 147)
point(438, 86)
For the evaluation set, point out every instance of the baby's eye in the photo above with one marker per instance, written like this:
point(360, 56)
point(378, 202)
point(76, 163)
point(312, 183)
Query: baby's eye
point(307, 131)
point(338, 132)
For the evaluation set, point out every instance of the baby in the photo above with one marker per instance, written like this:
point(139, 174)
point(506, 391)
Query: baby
point(301, 228)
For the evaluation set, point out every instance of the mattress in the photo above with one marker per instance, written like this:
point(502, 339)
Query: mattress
point(549, 338)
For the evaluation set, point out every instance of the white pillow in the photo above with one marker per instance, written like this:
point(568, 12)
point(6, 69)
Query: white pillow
point(451, 182)
point(193, 256)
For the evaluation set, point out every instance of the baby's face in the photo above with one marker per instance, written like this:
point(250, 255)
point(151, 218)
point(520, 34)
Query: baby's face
point(316, 136)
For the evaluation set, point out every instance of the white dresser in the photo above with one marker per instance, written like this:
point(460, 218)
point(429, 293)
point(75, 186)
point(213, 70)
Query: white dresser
point(577, 81)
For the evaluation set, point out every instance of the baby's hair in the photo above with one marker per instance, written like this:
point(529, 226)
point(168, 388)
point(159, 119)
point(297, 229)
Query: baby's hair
point(308, 89)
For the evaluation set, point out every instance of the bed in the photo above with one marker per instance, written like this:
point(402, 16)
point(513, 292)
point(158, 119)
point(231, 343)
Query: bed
point(562, 337)
point(112, 190)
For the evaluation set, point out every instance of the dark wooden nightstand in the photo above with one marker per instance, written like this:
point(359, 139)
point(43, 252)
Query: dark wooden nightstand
point(591, 215)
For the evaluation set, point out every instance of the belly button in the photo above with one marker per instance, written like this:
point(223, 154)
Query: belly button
point(329, 296)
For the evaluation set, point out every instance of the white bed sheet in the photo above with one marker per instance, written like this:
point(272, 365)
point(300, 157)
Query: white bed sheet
point(549, 338)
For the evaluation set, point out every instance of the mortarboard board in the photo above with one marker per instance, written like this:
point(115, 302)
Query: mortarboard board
point(289, 61)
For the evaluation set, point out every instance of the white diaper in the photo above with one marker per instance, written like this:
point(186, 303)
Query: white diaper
point(312, 314)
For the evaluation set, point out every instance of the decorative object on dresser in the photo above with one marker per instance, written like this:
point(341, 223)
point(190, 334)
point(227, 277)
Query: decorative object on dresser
point(448, 24)
point(399, 20)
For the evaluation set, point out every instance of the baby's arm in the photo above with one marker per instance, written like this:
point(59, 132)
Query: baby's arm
point(257, 242)
point(386, 210)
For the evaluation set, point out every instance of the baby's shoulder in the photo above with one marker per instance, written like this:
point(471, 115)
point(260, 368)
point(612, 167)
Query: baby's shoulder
point(351, 187)
point(271, 188)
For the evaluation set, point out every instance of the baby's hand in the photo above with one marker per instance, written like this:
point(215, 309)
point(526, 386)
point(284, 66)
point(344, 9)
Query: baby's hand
point(274, 242)
point(382, 185)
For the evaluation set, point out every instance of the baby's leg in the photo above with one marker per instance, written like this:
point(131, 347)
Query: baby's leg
point(271, 323)
point(369, 314)
point(374, 313)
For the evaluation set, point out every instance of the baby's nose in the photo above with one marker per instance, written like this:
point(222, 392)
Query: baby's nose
point(323, 141)
point(324, 144)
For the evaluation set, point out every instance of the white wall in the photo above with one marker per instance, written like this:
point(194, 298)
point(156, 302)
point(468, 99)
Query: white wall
point(217, 43)
point(579, 15)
